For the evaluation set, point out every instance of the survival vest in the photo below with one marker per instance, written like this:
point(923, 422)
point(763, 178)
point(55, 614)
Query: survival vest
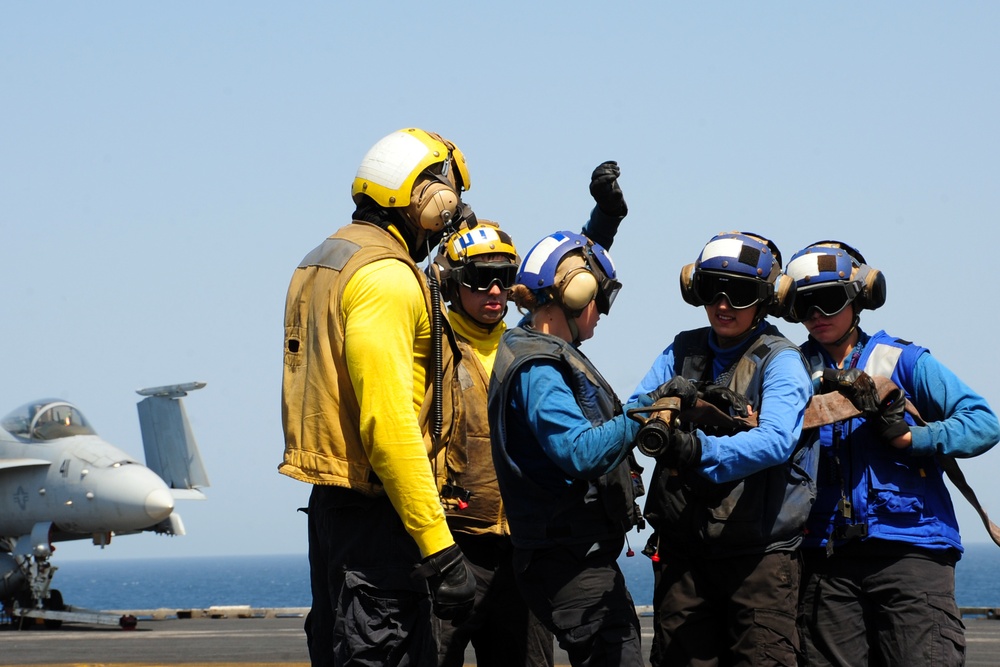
point(470, 462)
point(871, 490)
point(319, 409)
point(584, 511)
point(763, 512)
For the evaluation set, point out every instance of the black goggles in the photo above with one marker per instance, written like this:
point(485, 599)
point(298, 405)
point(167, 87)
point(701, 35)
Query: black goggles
point(828, 300)
point(606, 294)
point(740, 292)
point(480, 276)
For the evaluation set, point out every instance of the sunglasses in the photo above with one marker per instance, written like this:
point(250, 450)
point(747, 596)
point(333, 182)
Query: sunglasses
point(828, 300)
point(480, 276)
point(740, 292)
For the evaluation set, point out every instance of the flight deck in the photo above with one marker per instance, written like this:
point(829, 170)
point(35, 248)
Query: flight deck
point(236, 636)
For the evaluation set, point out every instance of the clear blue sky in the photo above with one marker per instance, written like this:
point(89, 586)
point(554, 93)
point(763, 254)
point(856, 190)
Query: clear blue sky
point(164, 166)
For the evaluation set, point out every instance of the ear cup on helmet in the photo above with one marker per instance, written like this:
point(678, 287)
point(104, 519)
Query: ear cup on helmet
point(432, 205)
point(783, 296)
point(873, 287)
point(687, 286)
point(577, 289)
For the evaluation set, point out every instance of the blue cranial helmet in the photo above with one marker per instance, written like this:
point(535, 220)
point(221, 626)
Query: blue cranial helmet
point(744, 268)
point(574, 284)
point(830, 275)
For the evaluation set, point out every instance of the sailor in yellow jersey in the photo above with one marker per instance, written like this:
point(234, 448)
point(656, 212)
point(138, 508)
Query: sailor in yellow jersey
point(358, 411)
point(477, 267)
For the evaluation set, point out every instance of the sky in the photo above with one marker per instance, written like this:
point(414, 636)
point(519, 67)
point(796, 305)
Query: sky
point(165, 166)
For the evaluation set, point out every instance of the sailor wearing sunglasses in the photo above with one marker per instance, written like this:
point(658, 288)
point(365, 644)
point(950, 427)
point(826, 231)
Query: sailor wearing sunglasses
point(882, 539)
point(729, 508)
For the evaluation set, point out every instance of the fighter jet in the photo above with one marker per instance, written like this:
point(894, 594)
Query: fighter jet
point(60, 481)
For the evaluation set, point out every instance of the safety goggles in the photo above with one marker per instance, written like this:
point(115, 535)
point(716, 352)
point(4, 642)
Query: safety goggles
point(828, 300)
point(606, 294)
point(480, 276)
point(740, 292)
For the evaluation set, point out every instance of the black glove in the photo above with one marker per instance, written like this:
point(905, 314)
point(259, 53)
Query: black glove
point(683, 450)
point(605, 190)
point(725, 399)
point(855, 384)
point(888, 420)
point(451, 582)
point(677, 386)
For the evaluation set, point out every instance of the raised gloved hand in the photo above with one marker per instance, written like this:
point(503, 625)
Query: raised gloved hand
point(451, 582)
point(683, 450)
point(855, 384)
point(725, 399)
point(677, 386)
point(888, 421)
point(605, 190)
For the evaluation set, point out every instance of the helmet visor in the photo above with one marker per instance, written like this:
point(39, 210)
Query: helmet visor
point(480, 276)
point(740, 292)
point(828, 300)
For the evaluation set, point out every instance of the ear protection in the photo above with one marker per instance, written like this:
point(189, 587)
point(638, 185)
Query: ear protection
point(433, 204)
point(577, 289)
point(687, 286)
point(784, 296)
point(872, 280)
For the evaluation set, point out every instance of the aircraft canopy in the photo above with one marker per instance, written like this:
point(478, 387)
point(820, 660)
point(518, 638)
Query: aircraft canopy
point(47, 419)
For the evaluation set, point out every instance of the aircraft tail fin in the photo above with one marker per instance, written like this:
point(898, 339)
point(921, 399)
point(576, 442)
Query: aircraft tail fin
point(171, 450)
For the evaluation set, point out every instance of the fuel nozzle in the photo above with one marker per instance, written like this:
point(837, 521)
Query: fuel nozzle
point(654, 432)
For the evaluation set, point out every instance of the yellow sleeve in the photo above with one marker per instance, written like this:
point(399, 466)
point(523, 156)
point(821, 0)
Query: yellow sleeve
point(387, 345)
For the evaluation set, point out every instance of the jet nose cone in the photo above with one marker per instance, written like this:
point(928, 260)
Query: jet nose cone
point(159, 504)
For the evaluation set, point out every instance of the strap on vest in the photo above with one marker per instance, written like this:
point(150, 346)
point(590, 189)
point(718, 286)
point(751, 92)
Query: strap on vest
point(950, 466)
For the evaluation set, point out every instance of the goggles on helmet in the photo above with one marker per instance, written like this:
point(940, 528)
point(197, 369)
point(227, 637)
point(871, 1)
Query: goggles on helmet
point(607, 289)
point(740, 292)
point(480, 276)
point(829, 300)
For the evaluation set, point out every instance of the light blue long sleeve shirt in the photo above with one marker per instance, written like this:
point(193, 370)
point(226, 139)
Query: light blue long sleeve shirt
point(785, 393)
point(568, 446)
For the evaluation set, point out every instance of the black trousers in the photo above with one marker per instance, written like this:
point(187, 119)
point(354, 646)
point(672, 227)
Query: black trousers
point(502, 629)
point(874, 603)
point(737, 610)
point(366, 610)
point(579, 593)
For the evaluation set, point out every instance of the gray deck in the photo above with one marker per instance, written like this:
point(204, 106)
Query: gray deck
point(269, 636)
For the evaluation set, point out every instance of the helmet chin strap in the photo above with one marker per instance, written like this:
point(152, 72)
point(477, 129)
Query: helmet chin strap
point(851, 329)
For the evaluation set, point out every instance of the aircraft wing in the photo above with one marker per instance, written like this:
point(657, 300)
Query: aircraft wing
point(23, 463)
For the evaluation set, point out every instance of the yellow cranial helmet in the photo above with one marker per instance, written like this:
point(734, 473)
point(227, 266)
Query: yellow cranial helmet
point(486, 238)
point(469, 257)
point(416, 169)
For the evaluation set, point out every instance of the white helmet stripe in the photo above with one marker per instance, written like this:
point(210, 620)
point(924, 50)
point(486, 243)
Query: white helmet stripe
point(475, 236)
point(540, 253)
point(391, 160)
point(804, 266)
point(722, 248)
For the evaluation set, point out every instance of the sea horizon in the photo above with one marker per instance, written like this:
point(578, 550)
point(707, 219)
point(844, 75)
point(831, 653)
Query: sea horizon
point(282, 580)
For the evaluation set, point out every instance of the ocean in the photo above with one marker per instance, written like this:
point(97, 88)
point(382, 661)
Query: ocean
point(283, 581)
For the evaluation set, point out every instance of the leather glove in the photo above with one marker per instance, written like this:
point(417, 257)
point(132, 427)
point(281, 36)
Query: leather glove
point(678, 386)
point(855, 384)
point(605, 190)
point(683, 450)
point(725, 399)
point(888, 420)
point(451, 581)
